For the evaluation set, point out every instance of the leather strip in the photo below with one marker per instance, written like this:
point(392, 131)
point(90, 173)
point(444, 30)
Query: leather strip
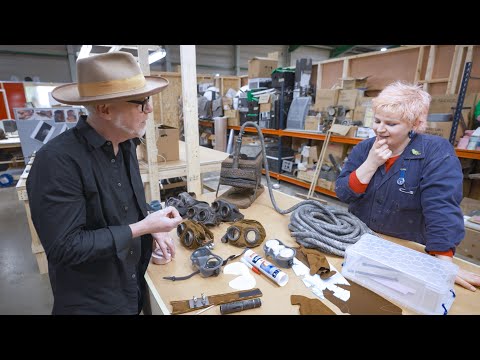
point(111, 86)
point(182, 306)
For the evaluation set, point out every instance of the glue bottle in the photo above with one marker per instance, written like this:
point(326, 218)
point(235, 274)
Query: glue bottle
point(266, 267)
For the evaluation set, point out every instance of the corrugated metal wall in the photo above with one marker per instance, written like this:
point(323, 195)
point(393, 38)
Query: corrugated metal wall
point(50, 62)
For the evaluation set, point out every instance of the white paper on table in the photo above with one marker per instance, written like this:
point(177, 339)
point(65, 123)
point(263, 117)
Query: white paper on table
point(316, 284)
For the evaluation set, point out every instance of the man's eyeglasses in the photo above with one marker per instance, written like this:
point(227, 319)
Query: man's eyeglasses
point(144, 102)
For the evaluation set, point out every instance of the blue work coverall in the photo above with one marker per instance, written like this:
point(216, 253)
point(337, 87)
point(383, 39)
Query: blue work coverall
point(425, 208)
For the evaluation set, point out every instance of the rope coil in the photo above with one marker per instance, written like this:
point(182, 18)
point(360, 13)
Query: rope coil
point(315, 225)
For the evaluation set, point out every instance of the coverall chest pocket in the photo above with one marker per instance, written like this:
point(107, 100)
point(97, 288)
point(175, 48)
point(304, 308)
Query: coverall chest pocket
point(408, 198)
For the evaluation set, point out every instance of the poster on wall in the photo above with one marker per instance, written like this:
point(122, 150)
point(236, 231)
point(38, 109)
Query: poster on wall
point(43, 132)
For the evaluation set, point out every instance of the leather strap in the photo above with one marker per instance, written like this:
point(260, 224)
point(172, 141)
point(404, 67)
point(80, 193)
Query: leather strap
point(183, 306)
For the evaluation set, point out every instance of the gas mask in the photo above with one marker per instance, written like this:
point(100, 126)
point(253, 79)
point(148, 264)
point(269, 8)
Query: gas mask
point(193, 235)
point(182, 202)
point(249, 233)
point(202, 213)
point(225, 211)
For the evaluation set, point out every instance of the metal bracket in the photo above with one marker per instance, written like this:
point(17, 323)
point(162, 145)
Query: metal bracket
point(196, 302)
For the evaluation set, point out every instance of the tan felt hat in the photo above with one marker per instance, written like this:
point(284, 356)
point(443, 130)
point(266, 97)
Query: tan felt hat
point(108, 77)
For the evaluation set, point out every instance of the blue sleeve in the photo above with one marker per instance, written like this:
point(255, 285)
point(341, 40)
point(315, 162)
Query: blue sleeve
point(58, 211)
point(441, 193)
point(356, 158)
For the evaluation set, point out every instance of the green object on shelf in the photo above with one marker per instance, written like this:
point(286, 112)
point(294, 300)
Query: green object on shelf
point(477, 112)
point(250, 97)
point(284, 69)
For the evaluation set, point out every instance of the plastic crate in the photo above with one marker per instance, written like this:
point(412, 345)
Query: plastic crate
point(409, 278)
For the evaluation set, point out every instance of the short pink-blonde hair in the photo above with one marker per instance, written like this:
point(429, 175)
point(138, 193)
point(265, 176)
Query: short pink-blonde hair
point(408, 101)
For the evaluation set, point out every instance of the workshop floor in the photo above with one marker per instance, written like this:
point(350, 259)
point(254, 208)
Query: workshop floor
point(23, 291)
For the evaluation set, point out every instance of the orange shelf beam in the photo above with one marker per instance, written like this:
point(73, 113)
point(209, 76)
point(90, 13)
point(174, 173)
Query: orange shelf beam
point(299, 182)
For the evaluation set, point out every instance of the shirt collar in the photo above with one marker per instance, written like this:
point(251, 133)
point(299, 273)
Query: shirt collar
point(93, 138)
point(415, 149)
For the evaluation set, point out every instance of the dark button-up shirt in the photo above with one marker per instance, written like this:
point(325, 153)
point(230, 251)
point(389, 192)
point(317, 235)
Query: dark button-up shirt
point(82, 199)
point(425, 208)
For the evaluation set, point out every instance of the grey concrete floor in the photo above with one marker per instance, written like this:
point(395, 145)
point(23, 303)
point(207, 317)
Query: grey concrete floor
point(23, 291)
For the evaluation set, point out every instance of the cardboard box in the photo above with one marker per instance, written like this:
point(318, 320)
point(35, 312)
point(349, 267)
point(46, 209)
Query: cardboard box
point(233, 117)
point(442, 128)
point(344, 130)
point(351, 83)
point(260, 67)
point(227, 103)
point(313, 154)
point(349, 98)
point(338, 150)
point(265, 107)
point(325, 98)
point(312, 123)
point(468, 205)
point(470, 245)
point(167, 142)
point(359, 113)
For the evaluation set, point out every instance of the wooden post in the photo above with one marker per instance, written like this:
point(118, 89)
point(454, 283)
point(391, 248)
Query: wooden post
point(419, 65)
point(346, 68)
point(319, 76)
point(190, 116)
point(431, 61)
point(455, 70)
point(152, 188)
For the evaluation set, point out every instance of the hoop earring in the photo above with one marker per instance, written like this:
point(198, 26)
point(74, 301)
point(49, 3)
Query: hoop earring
point(411, 134)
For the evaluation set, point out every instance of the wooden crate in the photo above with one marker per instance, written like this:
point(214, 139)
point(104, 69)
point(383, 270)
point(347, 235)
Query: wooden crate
point(166, 104)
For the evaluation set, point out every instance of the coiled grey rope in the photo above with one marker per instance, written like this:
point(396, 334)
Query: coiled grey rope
point(313, 224)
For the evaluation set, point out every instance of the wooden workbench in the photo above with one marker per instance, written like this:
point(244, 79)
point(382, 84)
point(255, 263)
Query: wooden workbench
point(275, 299)
point(11, 142)
point(210, 160)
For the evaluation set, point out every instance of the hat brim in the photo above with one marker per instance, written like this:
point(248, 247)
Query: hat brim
point(68, 93)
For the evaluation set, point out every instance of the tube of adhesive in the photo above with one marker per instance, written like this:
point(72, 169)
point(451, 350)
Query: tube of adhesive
point(266, 267)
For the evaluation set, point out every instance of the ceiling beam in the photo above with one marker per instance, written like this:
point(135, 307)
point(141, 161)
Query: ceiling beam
point(341, 49)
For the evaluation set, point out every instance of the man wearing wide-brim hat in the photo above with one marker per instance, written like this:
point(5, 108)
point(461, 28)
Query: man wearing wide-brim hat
point(86, 194)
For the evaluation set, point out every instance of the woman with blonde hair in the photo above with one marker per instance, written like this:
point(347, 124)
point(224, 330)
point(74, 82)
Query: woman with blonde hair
point(404, 183)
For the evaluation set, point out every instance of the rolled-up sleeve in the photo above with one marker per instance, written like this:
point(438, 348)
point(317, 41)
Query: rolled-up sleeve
point(58, 209)
point(356, 158)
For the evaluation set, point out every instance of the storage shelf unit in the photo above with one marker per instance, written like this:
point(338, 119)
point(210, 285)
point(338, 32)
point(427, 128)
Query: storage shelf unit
point(461, 153)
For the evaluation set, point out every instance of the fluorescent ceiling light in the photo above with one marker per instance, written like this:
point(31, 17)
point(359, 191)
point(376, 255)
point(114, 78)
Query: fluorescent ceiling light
point(84, 51)
point(156, 55)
